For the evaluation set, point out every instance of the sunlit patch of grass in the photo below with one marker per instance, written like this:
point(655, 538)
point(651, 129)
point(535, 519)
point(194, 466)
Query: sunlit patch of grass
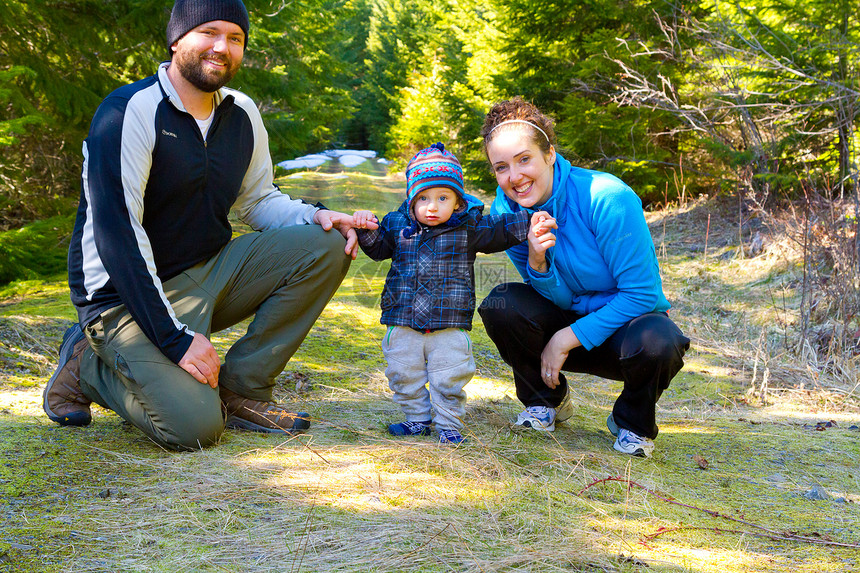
point(352, 481)
point(676, 428)
point(488, 390)
point(48, 298)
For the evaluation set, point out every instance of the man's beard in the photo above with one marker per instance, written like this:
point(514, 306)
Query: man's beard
point(191, 67)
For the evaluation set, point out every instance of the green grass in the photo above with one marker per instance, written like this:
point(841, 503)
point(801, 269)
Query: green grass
point(347, 497)
point(35, 251)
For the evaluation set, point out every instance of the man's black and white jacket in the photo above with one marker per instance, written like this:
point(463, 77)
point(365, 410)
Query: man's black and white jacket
point(155, 198)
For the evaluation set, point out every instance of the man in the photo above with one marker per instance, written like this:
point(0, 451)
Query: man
point(153, 268)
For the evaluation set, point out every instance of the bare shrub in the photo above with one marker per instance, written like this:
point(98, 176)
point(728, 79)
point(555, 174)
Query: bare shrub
point(823, 230)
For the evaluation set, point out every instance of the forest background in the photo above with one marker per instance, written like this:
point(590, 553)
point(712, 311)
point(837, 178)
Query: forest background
point(730, 95)
point(756, 103)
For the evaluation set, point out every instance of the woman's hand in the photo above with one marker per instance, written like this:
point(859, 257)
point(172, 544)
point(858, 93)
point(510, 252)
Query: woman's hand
point(555, 353)
point(540, 239)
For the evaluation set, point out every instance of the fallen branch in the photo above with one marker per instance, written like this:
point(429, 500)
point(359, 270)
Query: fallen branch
point(787, 537)
point(769, 533)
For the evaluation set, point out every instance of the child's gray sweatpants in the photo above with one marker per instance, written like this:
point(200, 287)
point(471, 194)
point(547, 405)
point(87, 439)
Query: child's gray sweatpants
point(442, 360)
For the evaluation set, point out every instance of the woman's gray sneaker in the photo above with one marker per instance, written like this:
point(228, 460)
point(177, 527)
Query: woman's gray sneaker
point(538, 418)
point(610, 423)
point(564, 410)
point(631, 443)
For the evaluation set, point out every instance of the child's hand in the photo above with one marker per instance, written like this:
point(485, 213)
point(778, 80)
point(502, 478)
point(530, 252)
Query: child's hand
point(541, 237)
point(542, 222)
point(364, 220)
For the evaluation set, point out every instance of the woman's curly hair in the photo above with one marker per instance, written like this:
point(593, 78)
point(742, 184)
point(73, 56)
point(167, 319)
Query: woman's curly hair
point(519, 109)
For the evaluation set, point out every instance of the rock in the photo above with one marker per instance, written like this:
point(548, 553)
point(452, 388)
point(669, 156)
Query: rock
point(817, 493)
point(757, 245)
point(303, 383)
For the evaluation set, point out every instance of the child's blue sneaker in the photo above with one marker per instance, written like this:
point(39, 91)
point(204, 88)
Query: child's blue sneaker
point(408, 428)
point(451, 437)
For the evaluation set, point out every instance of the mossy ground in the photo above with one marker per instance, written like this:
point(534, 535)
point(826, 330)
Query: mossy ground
point(347, 497)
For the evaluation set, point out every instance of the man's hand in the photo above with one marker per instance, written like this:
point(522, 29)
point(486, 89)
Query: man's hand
point(201, 361)
point(343, 223)
point(555, 354)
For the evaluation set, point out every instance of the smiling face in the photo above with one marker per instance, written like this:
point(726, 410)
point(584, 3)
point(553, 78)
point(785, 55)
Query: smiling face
point(434, 206)
point(522, 170)
point(209, 55)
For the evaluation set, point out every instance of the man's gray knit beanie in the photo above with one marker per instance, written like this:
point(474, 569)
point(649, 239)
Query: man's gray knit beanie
point(188, 14)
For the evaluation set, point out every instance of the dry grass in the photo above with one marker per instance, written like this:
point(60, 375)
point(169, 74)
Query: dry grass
point(348, 497)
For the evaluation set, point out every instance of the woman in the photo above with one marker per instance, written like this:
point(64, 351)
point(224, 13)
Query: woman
point(592, 301)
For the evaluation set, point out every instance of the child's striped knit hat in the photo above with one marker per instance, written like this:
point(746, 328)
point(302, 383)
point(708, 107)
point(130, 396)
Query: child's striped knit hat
point(434, 167)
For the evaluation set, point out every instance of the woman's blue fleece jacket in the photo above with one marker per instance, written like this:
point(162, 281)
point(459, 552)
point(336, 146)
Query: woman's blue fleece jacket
point(603, 265)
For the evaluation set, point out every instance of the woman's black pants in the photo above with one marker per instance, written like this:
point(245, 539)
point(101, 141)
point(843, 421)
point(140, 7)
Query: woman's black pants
point(644, 353)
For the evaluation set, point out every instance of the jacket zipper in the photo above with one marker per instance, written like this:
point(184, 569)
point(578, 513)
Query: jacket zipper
point(210, 133)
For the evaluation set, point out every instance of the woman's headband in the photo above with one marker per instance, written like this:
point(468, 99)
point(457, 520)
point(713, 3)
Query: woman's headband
point(520, 121)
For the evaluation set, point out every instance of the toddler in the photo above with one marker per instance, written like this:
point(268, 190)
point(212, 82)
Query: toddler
point(429, 295)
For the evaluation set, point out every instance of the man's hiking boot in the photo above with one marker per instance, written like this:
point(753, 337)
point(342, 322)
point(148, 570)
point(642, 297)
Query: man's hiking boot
point(247, 414)
point(62, 400)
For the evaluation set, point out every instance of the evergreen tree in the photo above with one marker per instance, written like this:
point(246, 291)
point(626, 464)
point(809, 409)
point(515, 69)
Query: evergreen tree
point(297, 68)
point(561, 56)
point(770, 91)
point(57, 61)
point(430, 78)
